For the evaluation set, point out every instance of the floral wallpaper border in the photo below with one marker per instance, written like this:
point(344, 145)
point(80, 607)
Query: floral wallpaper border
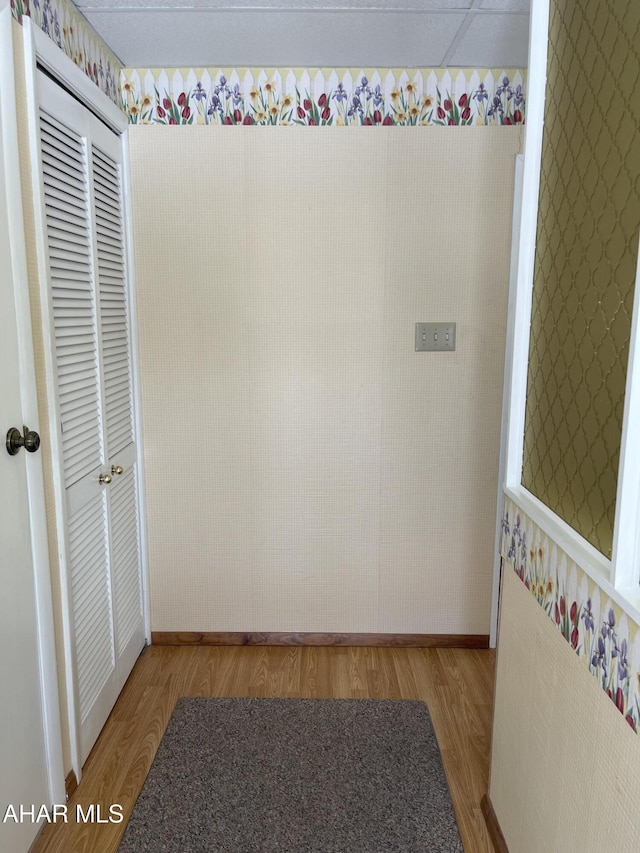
point(324, 96)
point(67, 28)
point(601, 634)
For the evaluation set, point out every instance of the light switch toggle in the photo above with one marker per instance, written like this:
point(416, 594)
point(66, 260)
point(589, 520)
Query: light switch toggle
point(435, 337)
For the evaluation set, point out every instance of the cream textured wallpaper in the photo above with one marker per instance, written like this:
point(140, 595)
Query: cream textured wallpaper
point(565, 767)
point(306, 470)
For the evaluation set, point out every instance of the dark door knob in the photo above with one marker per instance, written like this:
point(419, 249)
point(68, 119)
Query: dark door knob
point(30, 440)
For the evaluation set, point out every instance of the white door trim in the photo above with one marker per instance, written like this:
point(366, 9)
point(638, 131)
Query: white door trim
point(35, 480)
point(517, 365)
point(506, 397)
point(523, 242)
point(136, 388)
point(41, 51)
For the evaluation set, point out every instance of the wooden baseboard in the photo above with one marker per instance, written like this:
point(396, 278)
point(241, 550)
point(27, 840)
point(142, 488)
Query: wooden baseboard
point(493, 827)
point(70, 784)
point(278, 638)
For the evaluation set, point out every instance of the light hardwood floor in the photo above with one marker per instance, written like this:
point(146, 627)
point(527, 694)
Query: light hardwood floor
point(456, 684)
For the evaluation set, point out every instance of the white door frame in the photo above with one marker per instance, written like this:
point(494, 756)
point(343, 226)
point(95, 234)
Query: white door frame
point(40, 51)
point(35, 480)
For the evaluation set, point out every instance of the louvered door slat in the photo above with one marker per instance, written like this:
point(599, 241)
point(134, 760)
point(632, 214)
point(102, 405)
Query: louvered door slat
point(69, 304)
point(66, 199)
point(60, 137)
point(61, 147)
point(72, 355)
point(114, 318)
point(108, 197)
point(64, 243)
point(59, 228)
point(64, 185)
point(60, 162)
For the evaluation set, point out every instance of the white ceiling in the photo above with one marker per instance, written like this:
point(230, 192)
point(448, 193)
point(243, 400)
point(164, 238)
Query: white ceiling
point(309, 33)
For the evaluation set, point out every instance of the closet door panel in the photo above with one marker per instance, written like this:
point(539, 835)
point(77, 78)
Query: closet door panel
point(81, 167)
point(73, 299)
point(116, 371)
point(93, 616)
point(112, 288)
point(127, 586)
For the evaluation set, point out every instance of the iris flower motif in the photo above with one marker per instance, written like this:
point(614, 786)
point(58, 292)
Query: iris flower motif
point(481, 94)
point(587, 616)
point(339, 94)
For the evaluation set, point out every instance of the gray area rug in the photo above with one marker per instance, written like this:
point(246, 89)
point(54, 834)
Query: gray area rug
point(295, 776)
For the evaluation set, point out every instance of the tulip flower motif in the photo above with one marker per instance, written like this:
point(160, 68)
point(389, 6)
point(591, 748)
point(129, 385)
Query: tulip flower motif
point(573, 613)
point(314, 112)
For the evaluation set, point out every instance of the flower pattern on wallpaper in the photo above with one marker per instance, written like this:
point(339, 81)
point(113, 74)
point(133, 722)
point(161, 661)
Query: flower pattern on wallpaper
point(318, 97)
point(66, 27)
point(599, 632)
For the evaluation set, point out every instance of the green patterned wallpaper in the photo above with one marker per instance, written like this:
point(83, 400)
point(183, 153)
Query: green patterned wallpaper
point(587, 244)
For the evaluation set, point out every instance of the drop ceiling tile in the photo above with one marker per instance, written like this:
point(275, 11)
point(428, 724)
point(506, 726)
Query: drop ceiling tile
point(396, 6)
point(192, 37)
point(494, 41)
point(506, 5)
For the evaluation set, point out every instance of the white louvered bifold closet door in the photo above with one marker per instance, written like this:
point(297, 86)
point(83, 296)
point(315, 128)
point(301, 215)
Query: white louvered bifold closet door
point(81, 169)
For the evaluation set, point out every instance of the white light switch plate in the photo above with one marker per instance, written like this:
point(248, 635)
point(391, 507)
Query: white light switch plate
point(435, 337)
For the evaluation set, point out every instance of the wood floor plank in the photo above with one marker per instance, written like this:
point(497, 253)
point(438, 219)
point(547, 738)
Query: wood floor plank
point(457, 685)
